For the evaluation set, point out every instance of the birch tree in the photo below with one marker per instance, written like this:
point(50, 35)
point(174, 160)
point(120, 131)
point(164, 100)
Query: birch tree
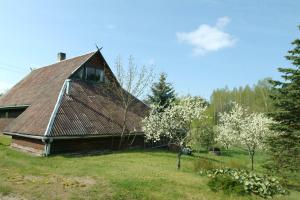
point(131, 84)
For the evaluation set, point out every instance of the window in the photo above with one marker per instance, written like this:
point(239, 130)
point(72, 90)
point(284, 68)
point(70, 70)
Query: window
point(90, 74)
point(100, 75)
point(94, 75)
point(11, 112)
point(79, 74)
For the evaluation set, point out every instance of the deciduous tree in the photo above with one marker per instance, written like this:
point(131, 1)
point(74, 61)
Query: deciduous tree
point(131, 84)
point(239, 127)
point(175, 122)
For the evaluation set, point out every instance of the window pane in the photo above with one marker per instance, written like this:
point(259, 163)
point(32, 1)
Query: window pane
point(79, 74)
point(99, 75)
point(90, 74)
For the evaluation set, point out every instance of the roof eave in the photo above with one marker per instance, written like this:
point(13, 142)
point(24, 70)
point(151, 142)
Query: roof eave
point(68, 137)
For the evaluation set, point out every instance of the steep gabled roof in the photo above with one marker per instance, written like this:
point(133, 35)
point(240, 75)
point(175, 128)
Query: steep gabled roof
point(87, 110)
point(40, 90)
point(92, 110)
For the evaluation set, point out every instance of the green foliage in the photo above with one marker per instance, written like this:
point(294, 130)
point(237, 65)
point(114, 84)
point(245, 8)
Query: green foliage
point(285, 147)
point(226, 184)
point(261, 185)
point(256, 98)
point(162, 93)
point(202, 133)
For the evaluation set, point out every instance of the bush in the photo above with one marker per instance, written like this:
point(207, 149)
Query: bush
point(261, 185)
point(226, 184)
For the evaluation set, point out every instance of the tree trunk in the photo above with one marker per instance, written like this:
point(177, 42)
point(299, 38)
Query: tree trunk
point(132, 141)
point(123, 126)
point(178, 158)
point(252, 162)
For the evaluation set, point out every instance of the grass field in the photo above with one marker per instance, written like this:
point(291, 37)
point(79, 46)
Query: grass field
point(119, 175)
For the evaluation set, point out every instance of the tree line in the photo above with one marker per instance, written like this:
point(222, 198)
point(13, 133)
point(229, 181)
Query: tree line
point(266, 114)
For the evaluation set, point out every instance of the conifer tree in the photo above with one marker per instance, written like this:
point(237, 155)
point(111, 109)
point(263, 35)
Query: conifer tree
point(284, 146)
point(162, 93)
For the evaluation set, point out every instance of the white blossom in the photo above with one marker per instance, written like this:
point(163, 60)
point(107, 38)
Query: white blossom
point(175, 121)
point(243, 128)
point(229, 127)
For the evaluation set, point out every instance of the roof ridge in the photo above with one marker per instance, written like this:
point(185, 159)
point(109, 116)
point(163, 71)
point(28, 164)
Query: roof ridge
point(92, 52)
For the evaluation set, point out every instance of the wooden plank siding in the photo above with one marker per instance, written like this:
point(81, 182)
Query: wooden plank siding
point(93, 144)
point(31, 145)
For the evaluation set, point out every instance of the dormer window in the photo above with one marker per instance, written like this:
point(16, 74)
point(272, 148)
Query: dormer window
point(94, 74)
point(90, 74)
point(100, 75)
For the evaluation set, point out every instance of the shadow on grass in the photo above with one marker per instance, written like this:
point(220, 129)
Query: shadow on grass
point(293, 187)
point(208, 159)
point(109, 152)
point(233, 152)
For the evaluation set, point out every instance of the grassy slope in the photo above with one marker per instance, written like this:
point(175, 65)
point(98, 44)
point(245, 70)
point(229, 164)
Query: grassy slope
point(127, 175)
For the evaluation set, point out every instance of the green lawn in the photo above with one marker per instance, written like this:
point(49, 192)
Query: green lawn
point(119, 175)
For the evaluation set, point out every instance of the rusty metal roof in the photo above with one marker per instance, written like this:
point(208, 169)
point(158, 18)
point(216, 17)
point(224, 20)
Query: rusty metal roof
point(89, 110)
point(39, 89)
point(94, 110)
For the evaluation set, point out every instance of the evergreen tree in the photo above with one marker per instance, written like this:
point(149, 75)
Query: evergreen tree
point(284, 146)
point(162, 93)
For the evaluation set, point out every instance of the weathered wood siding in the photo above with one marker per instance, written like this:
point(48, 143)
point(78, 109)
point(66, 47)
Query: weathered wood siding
point(93, 144)
point(34, 146)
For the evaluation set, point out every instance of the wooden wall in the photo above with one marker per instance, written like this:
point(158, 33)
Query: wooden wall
point(93, 144)
point(34, 146)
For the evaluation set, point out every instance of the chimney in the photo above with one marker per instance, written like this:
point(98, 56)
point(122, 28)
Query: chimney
point(61, 56)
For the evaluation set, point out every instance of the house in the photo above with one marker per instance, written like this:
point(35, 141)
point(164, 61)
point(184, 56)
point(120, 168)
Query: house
point(69, 106)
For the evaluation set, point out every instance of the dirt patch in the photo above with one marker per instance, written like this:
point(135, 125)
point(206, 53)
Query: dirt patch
point(66, 182)
point(58, 186)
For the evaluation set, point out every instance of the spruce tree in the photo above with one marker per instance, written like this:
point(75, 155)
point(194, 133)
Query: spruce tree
point(284, 146)
point(162, 93)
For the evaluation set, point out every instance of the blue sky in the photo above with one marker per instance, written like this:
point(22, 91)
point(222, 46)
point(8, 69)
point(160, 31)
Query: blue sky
point(201, 45)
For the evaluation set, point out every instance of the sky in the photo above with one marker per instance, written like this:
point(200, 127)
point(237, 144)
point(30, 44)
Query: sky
point(200, 44)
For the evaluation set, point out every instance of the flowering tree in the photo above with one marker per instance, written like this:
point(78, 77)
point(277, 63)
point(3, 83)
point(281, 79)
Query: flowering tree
point(175, 122)
point(230, 125)
point(248, 130)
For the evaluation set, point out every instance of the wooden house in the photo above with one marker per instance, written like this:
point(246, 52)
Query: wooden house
point(69, 106)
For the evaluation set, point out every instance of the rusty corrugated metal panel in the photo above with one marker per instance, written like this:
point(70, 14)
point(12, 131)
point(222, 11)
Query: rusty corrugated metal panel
point(94, 110)
point(4, 122)
point(40, 90)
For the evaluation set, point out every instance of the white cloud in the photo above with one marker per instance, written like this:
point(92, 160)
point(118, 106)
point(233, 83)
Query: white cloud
point(4, 86)
point(208, 38)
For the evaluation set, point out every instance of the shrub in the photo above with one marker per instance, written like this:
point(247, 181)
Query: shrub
point(261, 185)
point(226, 184)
